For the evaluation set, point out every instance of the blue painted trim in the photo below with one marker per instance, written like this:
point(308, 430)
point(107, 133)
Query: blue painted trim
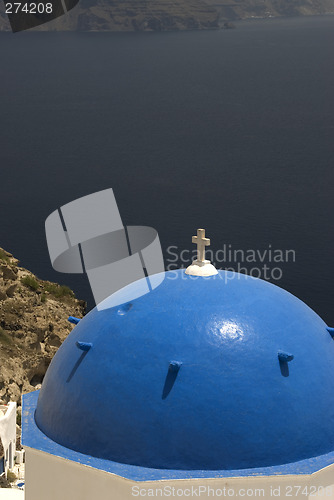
point(34, 438)
point(73, 319)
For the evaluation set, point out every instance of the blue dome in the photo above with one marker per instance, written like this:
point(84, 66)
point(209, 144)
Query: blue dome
point(190, 377)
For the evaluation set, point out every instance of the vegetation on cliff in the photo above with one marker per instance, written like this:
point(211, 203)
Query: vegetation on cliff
point(33, 324)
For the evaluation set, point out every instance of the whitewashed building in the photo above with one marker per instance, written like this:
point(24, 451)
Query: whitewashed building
point(8, 435)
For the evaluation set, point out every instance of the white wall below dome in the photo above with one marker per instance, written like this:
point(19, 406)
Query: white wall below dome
point(54, 478)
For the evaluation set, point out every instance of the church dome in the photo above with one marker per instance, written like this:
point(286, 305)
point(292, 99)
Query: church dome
point(203, 373)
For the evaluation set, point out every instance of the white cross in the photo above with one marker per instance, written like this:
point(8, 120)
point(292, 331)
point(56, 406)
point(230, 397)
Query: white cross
point(201, 242)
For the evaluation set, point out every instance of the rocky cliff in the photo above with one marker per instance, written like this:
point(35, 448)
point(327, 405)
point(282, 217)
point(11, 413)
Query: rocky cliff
point(164, 15)
point(33, 324)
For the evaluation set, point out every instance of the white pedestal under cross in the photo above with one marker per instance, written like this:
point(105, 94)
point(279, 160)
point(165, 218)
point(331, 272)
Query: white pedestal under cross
point(200, 266)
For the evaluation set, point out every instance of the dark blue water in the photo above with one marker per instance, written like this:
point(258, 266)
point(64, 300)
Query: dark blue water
point(228, 130)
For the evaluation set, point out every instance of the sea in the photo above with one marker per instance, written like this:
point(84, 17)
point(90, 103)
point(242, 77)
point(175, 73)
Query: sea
point(227, 130)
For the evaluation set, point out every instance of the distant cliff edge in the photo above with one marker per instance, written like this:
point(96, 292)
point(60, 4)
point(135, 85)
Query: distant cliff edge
point(169, 15)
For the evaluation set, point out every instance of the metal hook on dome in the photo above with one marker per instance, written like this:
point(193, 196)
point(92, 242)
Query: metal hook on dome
point(84, 346)
point(284, 358)
point(330, 331)
point(73, 319)
point(173, 370)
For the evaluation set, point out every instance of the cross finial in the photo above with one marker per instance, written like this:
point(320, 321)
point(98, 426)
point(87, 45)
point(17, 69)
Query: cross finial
point(200, 266)
point(201, 242)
